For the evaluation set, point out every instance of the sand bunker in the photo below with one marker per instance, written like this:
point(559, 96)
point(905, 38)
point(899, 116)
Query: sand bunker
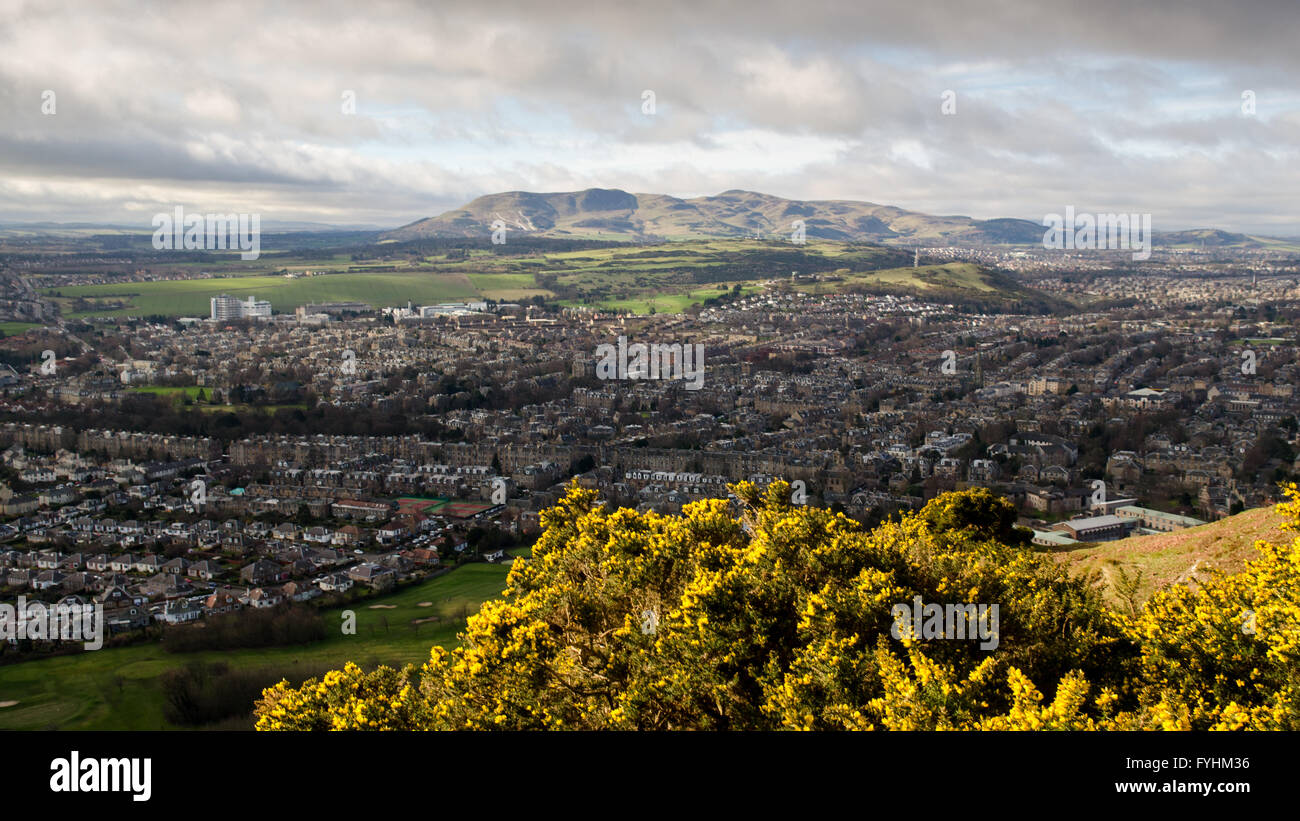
point(7, 703)
point(383, 607)
point(425, 604)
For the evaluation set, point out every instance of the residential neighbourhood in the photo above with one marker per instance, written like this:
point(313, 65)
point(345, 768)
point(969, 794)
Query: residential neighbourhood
point(1096, 426)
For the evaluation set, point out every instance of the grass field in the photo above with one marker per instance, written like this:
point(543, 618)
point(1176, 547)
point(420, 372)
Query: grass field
point(955, 275)
point(191, 297)
point(507, 287)
point(179, 395)
point(667, 303)
point(15, 328)
point(191, 392)
point(119, 688)
point(639, 278)
point(668, 277)
point(250, 408)
point(1272, 340)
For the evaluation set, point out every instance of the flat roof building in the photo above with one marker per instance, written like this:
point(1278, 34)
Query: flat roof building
point(225, 306)
point(1156, 519)
point(1098, 528)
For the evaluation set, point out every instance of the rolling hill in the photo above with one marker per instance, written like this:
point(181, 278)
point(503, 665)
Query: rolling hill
point(614, 214)
point(665, 277)
point(609, 213)
point(1210, 239)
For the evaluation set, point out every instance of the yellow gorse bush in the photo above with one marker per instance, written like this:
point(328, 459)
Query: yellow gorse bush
point(776, 616)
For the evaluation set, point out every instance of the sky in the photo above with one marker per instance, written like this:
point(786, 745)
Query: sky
point(382, 113)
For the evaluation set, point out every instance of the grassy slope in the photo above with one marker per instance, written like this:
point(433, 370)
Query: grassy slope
point(1169, 557)
point(118, 688)
point(667, 302)
point(616, 214)
point(956, 275)
point(506, 287)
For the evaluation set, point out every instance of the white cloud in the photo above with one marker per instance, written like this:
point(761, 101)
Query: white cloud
point(816, 99)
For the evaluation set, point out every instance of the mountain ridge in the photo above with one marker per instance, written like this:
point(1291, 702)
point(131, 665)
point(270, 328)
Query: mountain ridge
point(612, 213)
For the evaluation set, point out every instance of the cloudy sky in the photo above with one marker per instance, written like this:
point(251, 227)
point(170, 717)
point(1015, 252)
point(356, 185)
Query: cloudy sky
point(242, 106)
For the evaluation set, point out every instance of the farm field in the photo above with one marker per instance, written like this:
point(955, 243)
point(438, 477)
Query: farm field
point(669, 277)
point(673, 276)
point(191, 297)
point(667, 303)
point(507, 287)
point(119, 688)
point(954, 275)
point(15, 328)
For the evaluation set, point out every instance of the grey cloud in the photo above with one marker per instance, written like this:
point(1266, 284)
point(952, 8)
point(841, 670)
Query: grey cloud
point(185, 97)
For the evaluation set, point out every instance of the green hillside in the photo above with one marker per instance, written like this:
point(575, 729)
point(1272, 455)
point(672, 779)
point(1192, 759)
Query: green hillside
point(191, 297)
point(1177, 557)
point(120, 688)
point(598, 213)
point(667, 277)
point(960, 276)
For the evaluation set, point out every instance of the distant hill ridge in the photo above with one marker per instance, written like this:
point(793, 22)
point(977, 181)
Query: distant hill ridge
point(610, 213)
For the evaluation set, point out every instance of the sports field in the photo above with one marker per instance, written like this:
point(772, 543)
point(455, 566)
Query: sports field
point(16, 328)
point(439, 506)
point(428, 505)
point(462, 510)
